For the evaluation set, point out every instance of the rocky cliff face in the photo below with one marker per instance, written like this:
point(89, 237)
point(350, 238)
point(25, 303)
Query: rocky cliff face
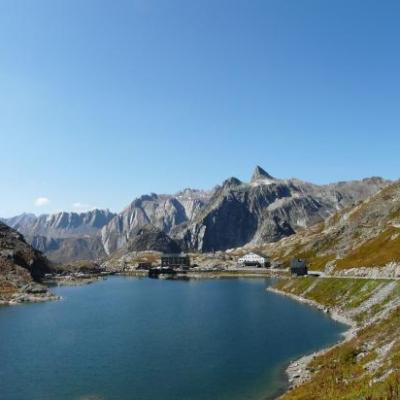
point(164, 212)
point(21, 268)
point(62, 224)
point(268, 209)
point(149, 238)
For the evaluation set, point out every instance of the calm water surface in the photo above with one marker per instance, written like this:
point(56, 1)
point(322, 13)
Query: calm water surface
point(149, 339)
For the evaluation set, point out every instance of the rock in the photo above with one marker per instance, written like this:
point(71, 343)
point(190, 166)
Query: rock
point(261, 174)
point(21, 268)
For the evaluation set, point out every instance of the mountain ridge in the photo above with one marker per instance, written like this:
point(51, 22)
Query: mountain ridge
point(233, 214)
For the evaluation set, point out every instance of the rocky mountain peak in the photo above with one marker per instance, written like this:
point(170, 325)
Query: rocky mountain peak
point(231, 182)
point(260, 174)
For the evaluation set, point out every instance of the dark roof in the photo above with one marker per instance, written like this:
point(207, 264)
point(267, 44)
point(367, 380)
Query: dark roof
point(298, 263)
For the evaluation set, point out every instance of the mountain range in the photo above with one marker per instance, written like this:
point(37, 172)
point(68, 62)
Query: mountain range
point(233, 214)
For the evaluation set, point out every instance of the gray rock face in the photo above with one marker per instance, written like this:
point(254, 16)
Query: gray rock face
point(268, 209)
point(64, 236)
point(260, 174)
point(150, 238)
point(62, 224)
point(164, 212)
point(63, 250)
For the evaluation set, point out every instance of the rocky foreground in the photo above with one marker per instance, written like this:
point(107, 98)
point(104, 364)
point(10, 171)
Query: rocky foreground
point(366, 364)
point(22, 270)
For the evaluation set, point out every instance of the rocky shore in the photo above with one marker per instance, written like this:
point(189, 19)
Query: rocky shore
point(365, 363)
point(77, 278)
point(298, 371)
point(30, 293)
point(389, 271)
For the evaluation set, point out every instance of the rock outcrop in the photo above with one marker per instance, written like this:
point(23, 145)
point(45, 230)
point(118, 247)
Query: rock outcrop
point(21, 269)
point(260, 174)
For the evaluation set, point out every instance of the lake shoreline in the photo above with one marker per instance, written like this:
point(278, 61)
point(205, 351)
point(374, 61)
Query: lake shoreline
point(78, 279)
point(297, 371)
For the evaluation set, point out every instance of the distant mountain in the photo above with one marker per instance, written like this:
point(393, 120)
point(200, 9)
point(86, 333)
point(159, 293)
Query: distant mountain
point(62, 224)
point(20, 221)
point(64, 250)
point(266, 209)
point(164, 212)
point(64, 236)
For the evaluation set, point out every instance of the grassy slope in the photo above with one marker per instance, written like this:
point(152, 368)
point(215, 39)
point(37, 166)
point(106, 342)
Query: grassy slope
point(379, 250)
point(368, 366)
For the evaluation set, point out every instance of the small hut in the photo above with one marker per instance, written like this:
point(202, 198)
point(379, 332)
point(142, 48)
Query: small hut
point(298, 267)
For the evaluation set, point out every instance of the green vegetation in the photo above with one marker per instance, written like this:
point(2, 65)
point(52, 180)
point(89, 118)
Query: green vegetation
point(332, 292)
point(380, 250)
point(367, 367)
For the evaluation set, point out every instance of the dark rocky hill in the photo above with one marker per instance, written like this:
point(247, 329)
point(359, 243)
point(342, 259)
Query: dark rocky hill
point(21, 268)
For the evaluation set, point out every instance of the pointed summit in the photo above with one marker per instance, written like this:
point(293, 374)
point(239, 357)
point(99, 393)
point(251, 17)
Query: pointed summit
point(261, 174)
point(231, 182)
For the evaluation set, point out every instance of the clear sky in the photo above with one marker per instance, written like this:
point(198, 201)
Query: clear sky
point(102, 101)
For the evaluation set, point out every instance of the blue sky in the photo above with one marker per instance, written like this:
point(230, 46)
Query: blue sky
point(102, 101)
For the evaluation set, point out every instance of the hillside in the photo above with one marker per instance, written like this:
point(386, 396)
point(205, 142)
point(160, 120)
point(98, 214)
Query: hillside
point(364, 239)
point(366, 365)
point(21, 269)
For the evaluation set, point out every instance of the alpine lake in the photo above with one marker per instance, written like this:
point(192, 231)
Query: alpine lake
point(131, 338)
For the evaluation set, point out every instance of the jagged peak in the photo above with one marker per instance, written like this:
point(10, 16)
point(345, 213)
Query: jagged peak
point(260, 174)
point(232, 182)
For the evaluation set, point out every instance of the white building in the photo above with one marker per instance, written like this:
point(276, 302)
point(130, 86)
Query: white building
point(252, 259)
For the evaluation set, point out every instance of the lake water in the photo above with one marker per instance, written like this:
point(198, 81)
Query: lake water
point(148, 339)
